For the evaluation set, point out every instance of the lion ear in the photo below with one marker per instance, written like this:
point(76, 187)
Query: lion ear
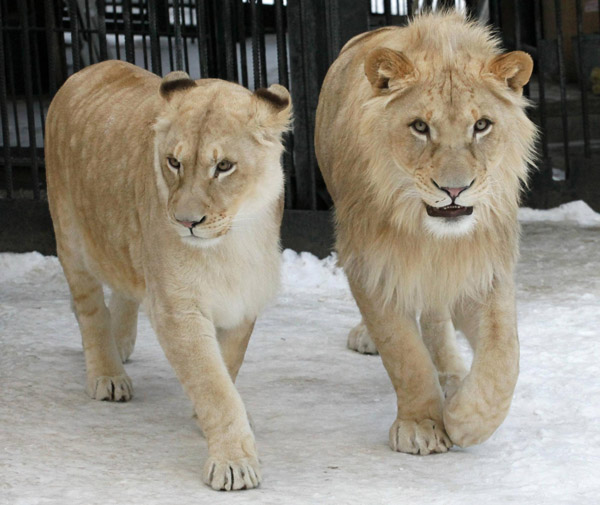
point(174, 82)
point(273, 108)
point(384, 66)
point(512, 68)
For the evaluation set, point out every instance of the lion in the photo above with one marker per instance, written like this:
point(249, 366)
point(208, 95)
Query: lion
point(424, 144)
point(170, 192)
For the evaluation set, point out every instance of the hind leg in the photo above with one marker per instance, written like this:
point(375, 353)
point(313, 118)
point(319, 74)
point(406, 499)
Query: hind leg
point(106, 377)
point(439, 336)
point(123, 317)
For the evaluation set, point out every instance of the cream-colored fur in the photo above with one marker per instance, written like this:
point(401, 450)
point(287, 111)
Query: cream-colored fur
point(416, 276)
point(124, 217)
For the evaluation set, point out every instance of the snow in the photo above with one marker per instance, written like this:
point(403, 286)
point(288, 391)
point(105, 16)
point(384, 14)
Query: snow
point(322, 412)
point(577, 212)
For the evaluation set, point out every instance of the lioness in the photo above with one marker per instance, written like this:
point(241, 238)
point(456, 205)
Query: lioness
point(170, 192)
point(424, 144)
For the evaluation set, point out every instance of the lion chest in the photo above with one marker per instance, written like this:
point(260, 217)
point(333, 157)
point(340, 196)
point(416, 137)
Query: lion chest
point(236, 288)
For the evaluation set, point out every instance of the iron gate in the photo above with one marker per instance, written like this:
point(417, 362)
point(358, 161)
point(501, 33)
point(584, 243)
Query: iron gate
point(293, 42)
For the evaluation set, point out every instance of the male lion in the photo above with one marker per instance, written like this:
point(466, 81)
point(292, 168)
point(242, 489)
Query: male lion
point(424, 145)
point(170, 192)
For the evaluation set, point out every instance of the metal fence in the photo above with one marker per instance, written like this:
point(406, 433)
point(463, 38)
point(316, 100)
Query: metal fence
point(259, 42)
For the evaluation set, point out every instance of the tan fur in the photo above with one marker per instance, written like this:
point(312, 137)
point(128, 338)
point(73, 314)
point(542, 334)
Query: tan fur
point(403, 264)
point(115, 203)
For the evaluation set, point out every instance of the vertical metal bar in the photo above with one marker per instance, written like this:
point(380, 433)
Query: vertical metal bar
point(202, 43)
point(517, 21)
point(178, 39)
point(334, 29)
point(387, 11)
point(8, 172)
point(242, 41)
point(255, 45)
point(116, 29)
point(563, 85)
point(12, 91)
point(51, 44)
point(143, 11)
point(129, 52)
point(101, 10)
point(582, 84)
point(88, 26)
point(409, 8)
point(261, 42)
point(170, 42)
point(541, 81)
point(228, 36)
point(75, 41)
point(26, 54)
point(37, 70)
point(233, 24)
point(62, 47)
point(154, 41)
point(186, 59)
point(282, 59)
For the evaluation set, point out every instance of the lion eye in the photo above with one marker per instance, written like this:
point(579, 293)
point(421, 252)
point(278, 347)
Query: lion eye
point(224, 166)
point(482, 125)
point(173, 163)
point(420, 127)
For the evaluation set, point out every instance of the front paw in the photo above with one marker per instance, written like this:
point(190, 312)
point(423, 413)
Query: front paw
point(230, 475)
point(423, 437)
point(469, 418)
point(114, 389)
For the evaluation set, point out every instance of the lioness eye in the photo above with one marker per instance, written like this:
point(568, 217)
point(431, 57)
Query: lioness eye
point(482, 125)
point(173, 163)
point(224, 166)
point(420, 126)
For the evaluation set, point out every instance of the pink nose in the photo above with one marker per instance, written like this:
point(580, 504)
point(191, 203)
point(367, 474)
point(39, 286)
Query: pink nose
point(454, 192)
point(190, 224)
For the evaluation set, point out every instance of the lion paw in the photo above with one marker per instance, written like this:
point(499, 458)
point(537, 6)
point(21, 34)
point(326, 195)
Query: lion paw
point(113, 389)
point(422, 437)
point(469, 419)
point(360, 341)
point(231, 475)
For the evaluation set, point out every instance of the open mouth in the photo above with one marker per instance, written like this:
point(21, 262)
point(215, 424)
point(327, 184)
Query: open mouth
point(452, 210)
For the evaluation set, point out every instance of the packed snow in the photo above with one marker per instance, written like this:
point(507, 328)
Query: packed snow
point(321, 412)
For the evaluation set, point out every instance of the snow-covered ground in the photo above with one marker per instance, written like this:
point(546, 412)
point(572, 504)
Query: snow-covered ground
point(322, 412)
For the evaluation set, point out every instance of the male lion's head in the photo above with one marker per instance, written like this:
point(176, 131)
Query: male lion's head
point(453, 139)
point(217, 154)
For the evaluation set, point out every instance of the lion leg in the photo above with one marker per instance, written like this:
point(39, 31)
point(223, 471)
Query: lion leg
point(439, 336)
point(124, 317)
point(483, 399)
point(106, 377)
point(360, 341)
point(419, 427)
point(190, 343)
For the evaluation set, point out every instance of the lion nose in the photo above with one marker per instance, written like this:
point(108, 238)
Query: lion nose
point(454, 192)
point(189, 223)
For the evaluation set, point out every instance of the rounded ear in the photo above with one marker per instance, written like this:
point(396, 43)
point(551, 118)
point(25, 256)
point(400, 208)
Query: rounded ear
point(273, 108)
point(174, 82)
point(383, 66)
point(512, 68)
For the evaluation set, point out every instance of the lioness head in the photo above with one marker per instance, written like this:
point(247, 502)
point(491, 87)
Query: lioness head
point(217, 154)
point(452, 131)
